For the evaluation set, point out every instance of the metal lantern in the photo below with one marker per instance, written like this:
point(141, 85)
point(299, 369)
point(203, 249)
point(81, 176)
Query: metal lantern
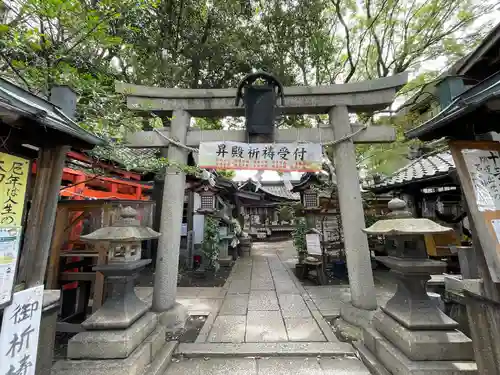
point(124, 239)
point(207, 199)
point(310, 198)
point(260, 104)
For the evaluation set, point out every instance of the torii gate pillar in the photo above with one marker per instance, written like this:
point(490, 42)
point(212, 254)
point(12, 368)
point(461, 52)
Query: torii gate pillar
point(167, 256)
point(351, 210)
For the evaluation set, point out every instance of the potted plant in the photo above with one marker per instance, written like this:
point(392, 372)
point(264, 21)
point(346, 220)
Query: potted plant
point(210, 246)
point(299, 242)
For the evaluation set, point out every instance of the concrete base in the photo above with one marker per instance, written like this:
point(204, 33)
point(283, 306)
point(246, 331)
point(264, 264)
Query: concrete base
point(150, 358)
point(378, 353)
point(346, 331)
point(113, 344)
point(425, 345)
point(356, 316)
point(175, 318)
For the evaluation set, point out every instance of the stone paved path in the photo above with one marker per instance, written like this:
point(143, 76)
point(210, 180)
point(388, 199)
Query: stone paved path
point(263, 303)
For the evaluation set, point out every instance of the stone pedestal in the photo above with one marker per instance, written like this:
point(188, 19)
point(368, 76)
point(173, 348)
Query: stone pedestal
point(411, 335)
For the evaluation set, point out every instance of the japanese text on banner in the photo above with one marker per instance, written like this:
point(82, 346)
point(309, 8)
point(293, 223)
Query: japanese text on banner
point(302, 157)
point(20, 331)
point(13, 180)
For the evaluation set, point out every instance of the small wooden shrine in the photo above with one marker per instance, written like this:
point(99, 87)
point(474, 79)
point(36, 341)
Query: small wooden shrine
point(262, 204)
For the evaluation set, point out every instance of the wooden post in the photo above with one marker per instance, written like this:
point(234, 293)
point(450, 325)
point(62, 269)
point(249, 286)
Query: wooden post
point(482, 296)
point(45, 202)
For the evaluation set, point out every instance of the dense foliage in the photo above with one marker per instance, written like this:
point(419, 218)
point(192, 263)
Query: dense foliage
point(89, 44)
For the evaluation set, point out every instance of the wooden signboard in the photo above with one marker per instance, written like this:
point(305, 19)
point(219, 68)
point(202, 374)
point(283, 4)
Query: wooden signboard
point(478, 167)
point(313, 244)
point(14, 172)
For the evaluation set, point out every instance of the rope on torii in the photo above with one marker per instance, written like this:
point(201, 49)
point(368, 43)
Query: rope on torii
point(286, 175)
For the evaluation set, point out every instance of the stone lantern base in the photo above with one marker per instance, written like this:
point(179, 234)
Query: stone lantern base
point(411, 335)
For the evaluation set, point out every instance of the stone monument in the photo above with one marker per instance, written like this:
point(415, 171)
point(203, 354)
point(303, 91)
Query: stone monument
point(122, 337)
point(411, 335)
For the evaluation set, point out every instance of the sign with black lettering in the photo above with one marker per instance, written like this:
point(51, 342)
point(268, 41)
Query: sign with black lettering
point(20, 331)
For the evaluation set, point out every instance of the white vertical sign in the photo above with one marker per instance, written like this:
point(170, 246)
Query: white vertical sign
point(20, 331)
point(9, 253)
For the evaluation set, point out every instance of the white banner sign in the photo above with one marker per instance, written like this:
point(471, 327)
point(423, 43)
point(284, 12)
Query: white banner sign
point(301, 157)
point(20, 331)
point(484, 171)
point(9, 253)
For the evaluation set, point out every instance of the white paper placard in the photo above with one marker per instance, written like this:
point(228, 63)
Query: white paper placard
point(20, 331)
point(313, 244)
point(496, 227)
point(484, 171)
point(302, 157)
point(9, 253)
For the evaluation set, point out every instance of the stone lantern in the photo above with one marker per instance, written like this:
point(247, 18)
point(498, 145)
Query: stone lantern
point(124, 239)
point(122, 337)
point(411, 334)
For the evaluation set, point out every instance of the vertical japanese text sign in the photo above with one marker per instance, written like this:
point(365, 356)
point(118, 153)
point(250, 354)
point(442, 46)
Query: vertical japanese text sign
point(478, 167)
point(20, 331)
point(14, 173)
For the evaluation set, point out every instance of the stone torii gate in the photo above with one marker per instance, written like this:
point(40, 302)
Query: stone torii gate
point(336, 100)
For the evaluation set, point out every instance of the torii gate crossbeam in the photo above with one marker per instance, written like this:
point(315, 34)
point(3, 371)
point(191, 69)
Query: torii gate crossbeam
point(336, 100)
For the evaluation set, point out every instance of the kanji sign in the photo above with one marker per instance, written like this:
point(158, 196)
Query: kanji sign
point(9, 253)
point(20, 331)
point(301, 157)
point(13, 180)
point(484, 171)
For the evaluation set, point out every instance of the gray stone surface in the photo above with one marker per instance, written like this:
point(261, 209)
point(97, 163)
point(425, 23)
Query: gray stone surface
point(303, 366)
point(162, 360)
point(135, 364)
point(303, 329)
point(228, 328)
point(324, 326)
point(325, 349)
point(175, 317)
point(355, 316)
point(167, 257)
point(262, 283)
point(111, 344)
point(343, 366)
point(292, 306)
point(234, 304)
point(262, 300)
point(425, 345)
point(214, 366)
point(396, 362)
point(265, 326)
point(239, 286)
point(207, 327)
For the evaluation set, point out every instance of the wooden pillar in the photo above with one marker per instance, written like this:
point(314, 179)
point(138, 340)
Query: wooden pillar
point(42, 215)
point(361, 282)
point(167, 258)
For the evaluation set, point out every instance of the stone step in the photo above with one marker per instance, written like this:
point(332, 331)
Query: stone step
point(396, 362)
point(267, 366)
point(324, 349)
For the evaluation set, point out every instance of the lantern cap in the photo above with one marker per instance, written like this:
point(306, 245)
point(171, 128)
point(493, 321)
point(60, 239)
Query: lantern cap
point(126, 229)
point(400, 222)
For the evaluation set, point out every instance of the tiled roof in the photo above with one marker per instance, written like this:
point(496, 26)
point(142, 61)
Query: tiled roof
point(275, 188)
point(15, 98)
point(280, 191)
point(422, 168)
